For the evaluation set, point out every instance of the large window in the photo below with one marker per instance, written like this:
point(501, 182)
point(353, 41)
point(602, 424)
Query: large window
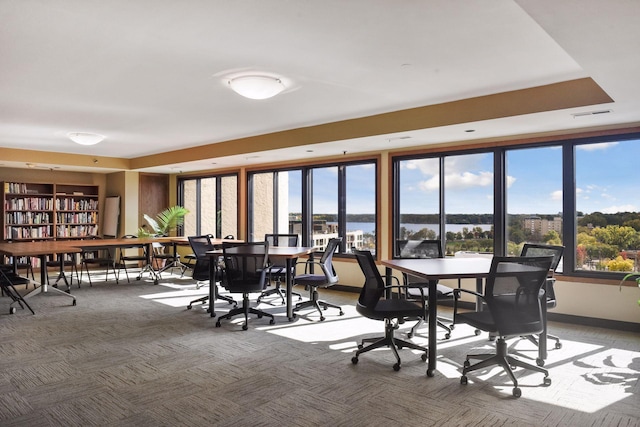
point(464, 183)
point(317, 203)
point(578, 193)
point(534, 197)
point(607, 205)
point(212, 203)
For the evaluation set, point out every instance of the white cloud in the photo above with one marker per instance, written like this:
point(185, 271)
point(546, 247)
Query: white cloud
point(594, 147)
point(621, 208)
point(510, 180)
point(556, 195)
point(468, 180)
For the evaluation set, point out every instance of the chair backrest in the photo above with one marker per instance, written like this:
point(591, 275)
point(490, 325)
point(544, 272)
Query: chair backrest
point(326, 261)
point(200, 245)
point(513, 293)
point(373, 287)
point(419, 248)
point(289, 240)
point(245, 271)
point(535, 249)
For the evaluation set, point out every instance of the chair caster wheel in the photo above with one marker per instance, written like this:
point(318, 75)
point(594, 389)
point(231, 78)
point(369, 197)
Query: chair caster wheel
point(360, 346)
point(245, 327)
point(558, 345)
point(354, 360)
point(341, 313)
point(517, 392)
point(399, 347)
point(464, 380)
point(73, 303)
point(409, 335)
point(396, 367)
point(430, 373)
point(218, 324)
point(547, 381)
point(540, 362)
point(272, 322)
point(424, 357)
point(259, 316)
point(477, 332)
point(322, 318)
point(466, 364)
point(447, 336)
point(189, 307)
point(12, 310)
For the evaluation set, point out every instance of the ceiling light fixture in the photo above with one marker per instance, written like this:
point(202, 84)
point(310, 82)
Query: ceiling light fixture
point(256, 87)
point(85, 138)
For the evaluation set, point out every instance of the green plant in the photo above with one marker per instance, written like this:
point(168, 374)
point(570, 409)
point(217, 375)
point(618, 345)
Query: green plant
point(165, 222)
point(629, 276)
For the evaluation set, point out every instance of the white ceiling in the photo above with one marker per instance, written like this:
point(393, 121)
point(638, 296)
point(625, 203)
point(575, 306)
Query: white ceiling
point(149, 74)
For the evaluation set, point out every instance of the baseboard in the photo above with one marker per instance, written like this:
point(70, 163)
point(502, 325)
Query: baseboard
point(554, 317)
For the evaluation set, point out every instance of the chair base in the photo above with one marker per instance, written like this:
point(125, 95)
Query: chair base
point(204, 300)
point(503, 359)
point(389, 340)
point(316, 302)
point(277, 289)
point(440, 323)
point(246, 309)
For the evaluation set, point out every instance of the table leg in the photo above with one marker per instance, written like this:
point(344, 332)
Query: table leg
point(44, 288)
point(212, 285)
point(289, 279)
point(542, 337)
point(433, 321)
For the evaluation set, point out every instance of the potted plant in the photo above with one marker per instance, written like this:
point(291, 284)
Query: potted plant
point(165, 222)
point(629, 276)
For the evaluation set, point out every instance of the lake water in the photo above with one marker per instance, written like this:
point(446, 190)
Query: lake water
point(368, 227)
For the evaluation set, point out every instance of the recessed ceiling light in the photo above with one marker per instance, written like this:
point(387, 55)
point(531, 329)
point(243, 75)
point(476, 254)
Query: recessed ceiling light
point(470, 130)
point(591, 113)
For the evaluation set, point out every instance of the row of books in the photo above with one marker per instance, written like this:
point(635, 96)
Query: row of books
point(76, 230)
point(28, 203)
point(36, 232)
point(18, 188)
point(76, 205)
point(27, 218)
point(77, 218)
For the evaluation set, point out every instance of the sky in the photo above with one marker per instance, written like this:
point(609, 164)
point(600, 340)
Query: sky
point(605, 182)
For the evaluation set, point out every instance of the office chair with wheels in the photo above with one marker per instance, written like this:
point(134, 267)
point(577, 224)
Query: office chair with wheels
point(377, 302)
point(200, 245)
point(277, 267)
point(245, 273)
point(513, 295)
point(556, 251)
point(312, 281)
point(416, 286)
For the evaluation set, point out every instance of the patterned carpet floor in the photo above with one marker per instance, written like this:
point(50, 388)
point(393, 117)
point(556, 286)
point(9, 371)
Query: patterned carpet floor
point(133, 355)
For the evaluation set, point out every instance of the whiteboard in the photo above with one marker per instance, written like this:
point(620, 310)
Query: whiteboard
point(111, 216)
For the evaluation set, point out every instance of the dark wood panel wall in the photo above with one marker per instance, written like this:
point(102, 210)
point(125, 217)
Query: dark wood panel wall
point(154, 195)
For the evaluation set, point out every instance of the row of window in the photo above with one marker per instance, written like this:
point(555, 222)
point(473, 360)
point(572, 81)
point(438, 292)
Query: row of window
point(577, 193)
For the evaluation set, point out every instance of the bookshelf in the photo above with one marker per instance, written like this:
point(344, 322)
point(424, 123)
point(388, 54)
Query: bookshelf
point(41, 211)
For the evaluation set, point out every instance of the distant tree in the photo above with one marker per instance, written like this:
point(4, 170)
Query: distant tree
point(620, 264)
point(517, 236)
point(552, 238)
point(622, 237)
point(633, 223)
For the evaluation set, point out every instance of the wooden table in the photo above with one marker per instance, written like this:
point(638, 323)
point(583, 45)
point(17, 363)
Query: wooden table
point(289, 254)
point(41, 249)
point(433, 270)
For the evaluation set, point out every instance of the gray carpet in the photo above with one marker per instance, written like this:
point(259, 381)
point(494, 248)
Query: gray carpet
point(133, 355)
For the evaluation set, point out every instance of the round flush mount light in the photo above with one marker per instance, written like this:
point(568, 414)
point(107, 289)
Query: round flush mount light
point(256, 86)
point(85, 138)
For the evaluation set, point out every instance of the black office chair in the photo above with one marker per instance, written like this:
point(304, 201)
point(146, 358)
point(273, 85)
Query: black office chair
point(8, 281)
point(513, 295)
point(98, 257)
point(377, 302)
point(418, 287)
point(191, 257)
point(139, 257)
point(556, 251)
point(200, 245)
point(312, 282)
point(245, 273)
point(277, 268)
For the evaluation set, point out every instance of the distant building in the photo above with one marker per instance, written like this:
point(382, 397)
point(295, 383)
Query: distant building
point(539, 226)
point(323, 231)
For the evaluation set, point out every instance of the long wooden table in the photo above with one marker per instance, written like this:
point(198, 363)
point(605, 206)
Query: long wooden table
point(433, 270)
point(289, 254)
